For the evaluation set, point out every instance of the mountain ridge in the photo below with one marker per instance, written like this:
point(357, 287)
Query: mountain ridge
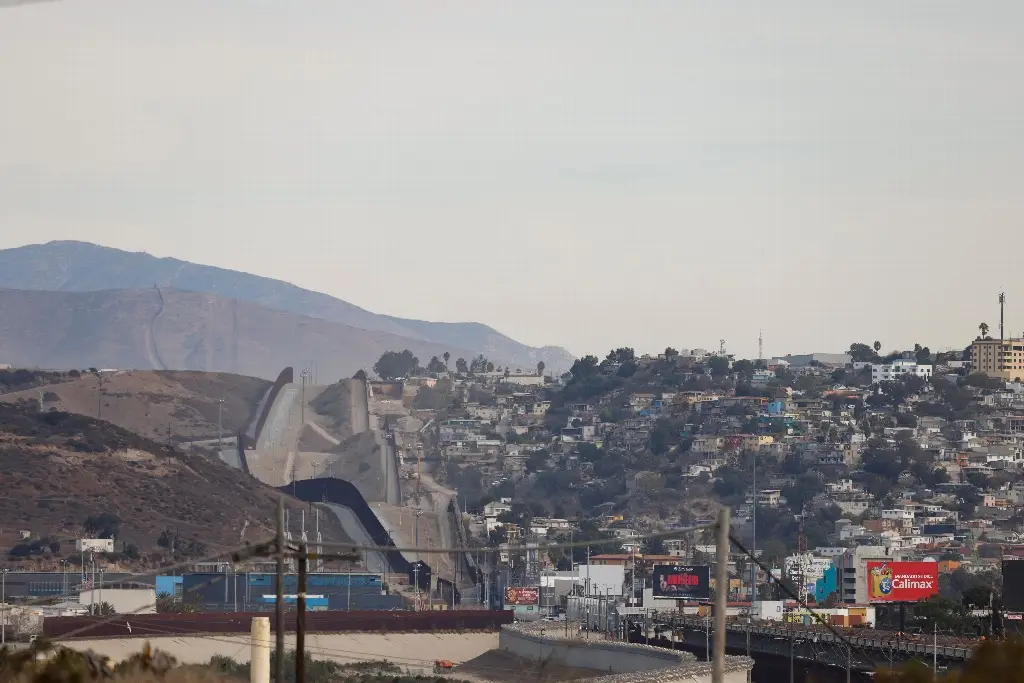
point(183, 330)
point(74, 266)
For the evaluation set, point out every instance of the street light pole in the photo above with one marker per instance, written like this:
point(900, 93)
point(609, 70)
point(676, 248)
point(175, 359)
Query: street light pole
point(3, 606)
point(220, 425)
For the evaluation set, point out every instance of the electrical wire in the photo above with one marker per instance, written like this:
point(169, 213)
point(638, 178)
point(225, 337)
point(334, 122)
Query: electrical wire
point(664, 535)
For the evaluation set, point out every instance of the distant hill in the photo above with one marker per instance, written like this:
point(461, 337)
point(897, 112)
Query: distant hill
point(83, 267)
point(152, 329)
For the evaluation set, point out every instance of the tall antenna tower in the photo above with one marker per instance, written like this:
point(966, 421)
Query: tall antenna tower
point(760, 344)
point(1002, 306)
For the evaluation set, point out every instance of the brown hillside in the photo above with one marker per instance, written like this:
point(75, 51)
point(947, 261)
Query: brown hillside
point(148, 402)
point(59, 469)
point(170, 329)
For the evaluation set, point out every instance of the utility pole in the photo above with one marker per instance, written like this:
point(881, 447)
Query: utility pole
point(279, 664)
point(790, 627)
point(3, 606)
point(416, 580)
point(753, 542)
point(220, 424)
point(302, 399)
point(300, 625)
point(935, 652)
point(721, 594)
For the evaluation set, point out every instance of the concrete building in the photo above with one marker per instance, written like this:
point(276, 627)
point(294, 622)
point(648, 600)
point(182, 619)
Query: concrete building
point(890, 372)
point(1001, 358)
point(123, 600)
point(96, 545)
point(852, 572)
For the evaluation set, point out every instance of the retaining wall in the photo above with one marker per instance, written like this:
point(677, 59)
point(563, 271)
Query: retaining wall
point(618, 662)
point(240, 622)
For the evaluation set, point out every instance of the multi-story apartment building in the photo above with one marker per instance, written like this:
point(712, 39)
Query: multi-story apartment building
point(1002, 358)
point(888, 372)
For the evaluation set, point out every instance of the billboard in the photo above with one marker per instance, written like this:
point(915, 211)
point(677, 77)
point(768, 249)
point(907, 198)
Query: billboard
point(682, 582)
point(1013, 585)
point(521, 596)
point(902, 581)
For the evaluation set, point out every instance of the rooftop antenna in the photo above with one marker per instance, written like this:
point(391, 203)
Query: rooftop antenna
point(1002, 305)
point(760, 344)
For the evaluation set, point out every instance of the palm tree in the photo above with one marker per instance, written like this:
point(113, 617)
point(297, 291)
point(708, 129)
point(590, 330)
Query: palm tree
point(878, 346)
point(102, 609)
point(984, 330)
point(446, 357)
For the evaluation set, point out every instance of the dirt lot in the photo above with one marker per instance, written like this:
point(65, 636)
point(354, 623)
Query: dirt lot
point(148, 402)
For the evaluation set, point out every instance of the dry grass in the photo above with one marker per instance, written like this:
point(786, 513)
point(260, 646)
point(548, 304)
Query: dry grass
point(149, 402)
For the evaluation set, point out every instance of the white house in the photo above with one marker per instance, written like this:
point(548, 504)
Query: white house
point(888, 372)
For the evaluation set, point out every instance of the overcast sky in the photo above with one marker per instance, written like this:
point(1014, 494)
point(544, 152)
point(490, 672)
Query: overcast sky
point(582, 173)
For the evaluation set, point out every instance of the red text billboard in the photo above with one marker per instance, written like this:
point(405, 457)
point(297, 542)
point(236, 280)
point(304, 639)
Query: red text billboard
point(902, 581)
point(520, 596)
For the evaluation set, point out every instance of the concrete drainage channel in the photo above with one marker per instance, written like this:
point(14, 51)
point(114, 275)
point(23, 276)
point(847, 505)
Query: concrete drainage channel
point(614, 661)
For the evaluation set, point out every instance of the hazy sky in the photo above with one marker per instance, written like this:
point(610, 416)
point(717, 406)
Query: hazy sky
point(580, 173)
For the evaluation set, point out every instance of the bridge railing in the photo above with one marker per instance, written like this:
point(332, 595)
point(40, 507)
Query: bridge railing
point(885, 643)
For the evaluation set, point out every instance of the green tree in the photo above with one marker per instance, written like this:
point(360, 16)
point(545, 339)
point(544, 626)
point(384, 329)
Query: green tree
point(396, 365)
point(719, 366)
point(478, 364)
point(461, 366)
point(877, 346)
point(983, 328)
point(622, 354)
point(447, 357)
point(436, 365)
point(540, 367)
point(101, 609)
point(537, 461)
point(862, 353)
point(584, 367)
point(103, 525)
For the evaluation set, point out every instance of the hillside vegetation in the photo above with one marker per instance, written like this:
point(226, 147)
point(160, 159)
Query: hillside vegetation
point(67, 476)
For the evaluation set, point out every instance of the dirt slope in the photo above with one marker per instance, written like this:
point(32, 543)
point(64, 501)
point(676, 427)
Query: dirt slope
point(147, 402)
point(58, 469)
